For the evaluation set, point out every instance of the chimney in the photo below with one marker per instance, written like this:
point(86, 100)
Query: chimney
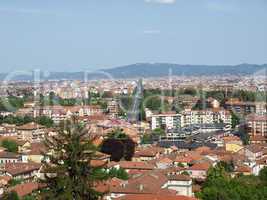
point(141, 187)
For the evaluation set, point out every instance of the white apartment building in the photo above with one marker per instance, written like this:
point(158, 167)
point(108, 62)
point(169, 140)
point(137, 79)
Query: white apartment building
point(169, 121)
point(190, 117)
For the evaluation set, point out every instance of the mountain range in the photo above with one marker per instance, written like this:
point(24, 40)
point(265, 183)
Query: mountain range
point(145, 70)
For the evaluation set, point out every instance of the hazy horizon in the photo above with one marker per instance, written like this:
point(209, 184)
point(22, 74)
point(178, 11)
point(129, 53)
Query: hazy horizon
point(97, 34)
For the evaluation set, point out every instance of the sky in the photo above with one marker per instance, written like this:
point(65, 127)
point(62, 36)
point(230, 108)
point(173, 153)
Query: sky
point(76, 35)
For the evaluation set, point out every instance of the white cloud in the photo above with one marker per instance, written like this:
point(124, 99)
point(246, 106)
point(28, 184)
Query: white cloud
point(20, 10)
point(26, 11)
point(221, 6)
point(161, 1)
point(151, 32)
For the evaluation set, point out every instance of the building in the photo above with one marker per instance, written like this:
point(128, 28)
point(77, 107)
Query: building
point(168, 121)
point(113, 107)
point(32, 132)
point(155, 197)
point(25, 189)
point(190, 117)
point(232, 143)
point(256, 126)
point(154, 182)
point(182, 184)
point(22, 171)
point(245, 107)
point(9, 157)
point(253, 152)
point(8, 130)
point(59, 113)
point(199, 170)
point(132, 166)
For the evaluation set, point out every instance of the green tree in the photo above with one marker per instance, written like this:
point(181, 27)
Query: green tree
point(189, 91)
point(18, 120)
point(45, 121)
point(117, 134)
point(220, 186)
point(10, 145)
point(263, 175)
point(146, 139)
point(227, 166)
point(235, 120)
point(69, 174)
point(14, 182)
point(158, 132)
point(185, 173)
point(51, 98)
point(29, 197)
point(118, 173)
point(67, 102)
point(180, 164)
point(118, 145)
point(11, 196)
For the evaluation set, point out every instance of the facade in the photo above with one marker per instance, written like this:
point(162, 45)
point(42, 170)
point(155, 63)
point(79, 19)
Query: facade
point(32, 132)
point(168, 121)
point(182, 184)
point(9, 157)
point(256, 126)
point(113, 107)
point(190, 117)
point(8, 130)
point(59, 113)
point(199, 170)
point(242, 107)
point(253, 152)
point(22, 171)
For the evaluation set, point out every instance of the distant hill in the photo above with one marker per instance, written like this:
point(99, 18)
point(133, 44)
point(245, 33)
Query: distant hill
point(153, 70)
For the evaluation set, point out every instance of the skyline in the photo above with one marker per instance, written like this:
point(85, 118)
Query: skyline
point(66, 36)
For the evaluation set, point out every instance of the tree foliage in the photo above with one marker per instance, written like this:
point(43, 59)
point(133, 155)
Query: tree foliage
point(10, 145)
point(235, 120)
point(17, 120)
point(10, 196)
point(118, 145)
point(45, 121)
point(11, 103)
point(219, 186)
point(69, 174)
point(118, 173)
point(146, 139)
point(14, 182)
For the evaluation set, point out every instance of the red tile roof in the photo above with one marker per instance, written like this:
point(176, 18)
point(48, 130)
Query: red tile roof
point(133, 165)
point(148, 183)
point(243, 169)
point(30, 126)
point(201, 166)
point(155, 197)
point(179, 177)
point(20, 168)
point(37, 149)
point(25, 188)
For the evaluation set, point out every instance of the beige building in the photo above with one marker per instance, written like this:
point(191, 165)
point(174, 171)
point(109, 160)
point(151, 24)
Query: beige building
point(32, 132)
point(190, 117)
point(257, 128)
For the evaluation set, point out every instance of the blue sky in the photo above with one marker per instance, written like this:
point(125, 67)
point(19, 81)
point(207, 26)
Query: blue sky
point(93, 34)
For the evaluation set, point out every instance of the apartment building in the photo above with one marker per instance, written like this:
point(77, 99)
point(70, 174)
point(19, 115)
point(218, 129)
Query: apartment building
point(246, 107)
point(166, 121)
point(256, 126)
point(59, 113)
point(190, 117)
point(32, 132)
point(113, 107)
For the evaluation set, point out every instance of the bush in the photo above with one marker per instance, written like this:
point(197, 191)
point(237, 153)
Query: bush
point(10, 145)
